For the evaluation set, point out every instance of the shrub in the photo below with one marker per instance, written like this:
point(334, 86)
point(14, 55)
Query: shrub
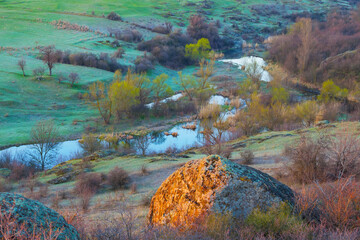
point(118, 178)
point(343, 155)
point(4, 185)
point(307, 112)
point(210, 111)
point(169, 50)
point(331, 91)
point(144, 170)
point(90, 143)
point(127, 35)
point(88, 183)
point(198, 29)
point(146, 199)
point(308, 159)
point(74, 78)
point(86, 186)
point(335, 205)
point(330, 111)
point(144, 63)
point(114, 16)
point(247, 157)
point(165, 28)
point(133, 188)
point(102, 61)
point(39, 73)
point(199, 50)
point(276, 221)
point(118, 53)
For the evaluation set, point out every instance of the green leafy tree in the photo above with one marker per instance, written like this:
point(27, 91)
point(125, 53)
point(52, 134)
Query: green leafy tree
point(330, 91)
point(124, 95)
point(279, 95)
point(160, 89)
point(247, 88)
point(100, 98)
point(188, 84)
point(307, 112)
point(201, 49)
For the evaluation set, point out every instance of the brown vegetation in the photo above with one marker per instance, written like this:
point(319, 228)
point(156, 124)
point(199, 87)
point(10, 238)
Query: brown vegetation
point(118, 178)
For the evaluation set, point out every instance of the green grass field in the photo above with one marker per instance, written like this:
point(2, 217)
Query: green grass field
point(25, 25)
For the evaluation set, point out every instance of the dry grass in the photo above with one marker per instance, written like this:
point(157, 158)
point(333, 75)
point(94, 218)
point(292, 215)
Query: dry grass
point(210, 111)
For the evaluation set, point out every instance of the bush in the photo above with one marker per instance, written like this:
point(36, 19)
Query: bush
point(330, 91)
point(102, 61)
point(210, 111)
point(118, 178)
point(90, 143)
point(335, 205)
point(118, 53)
point(114, 16)
point(39, 73)
point(247, 157)
point(88, 183)
point(199, 50)
point(4, 185)
point(343, 155)
point(144, 63)
point(307, 112)
point(169, 50)
point(275, 222)
point(164, 28)
point(198, 29)
point(127, 35)
point(330, 111)
point(307, 159)
point(144, 170)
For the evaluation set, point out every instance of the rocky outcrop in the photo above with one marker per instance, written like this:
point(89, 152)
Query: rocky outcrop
point(214, 184)
point(35, 216)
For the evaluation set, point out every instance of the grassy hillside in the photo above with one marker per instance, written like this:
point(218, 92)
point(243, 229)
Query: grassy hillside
point(26, 25)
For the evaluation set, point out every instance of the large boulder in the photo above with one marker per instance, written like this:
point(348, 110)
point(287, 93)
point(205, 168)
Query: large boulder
point(34, 216)
point(217, 185)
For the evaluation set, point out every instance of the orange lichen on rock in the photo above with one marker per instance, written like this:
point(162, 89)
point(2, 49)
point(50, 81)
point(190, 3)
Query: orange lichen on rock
point(193, 187)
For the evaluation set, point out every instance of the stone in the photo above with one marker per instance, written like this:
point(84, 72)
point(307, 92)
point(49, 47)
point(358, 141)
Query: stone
point(67, 177)
point(214, 185)
point(36, 217)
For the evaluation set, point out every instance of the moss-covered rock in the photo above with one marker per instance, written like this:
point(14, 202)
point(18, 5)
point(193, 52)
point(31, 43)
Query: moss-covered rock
point(36, 216)
point(214, 184)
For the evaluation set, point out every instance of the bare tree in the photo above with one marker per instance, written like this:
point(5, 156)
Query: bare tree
point(214, 136)
point(22, 63)
point(128, 219)
point(142, 140)
point(344, 155)
point(305, 33)
point(74, 78)
point(46, 139)
point(49, 57)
